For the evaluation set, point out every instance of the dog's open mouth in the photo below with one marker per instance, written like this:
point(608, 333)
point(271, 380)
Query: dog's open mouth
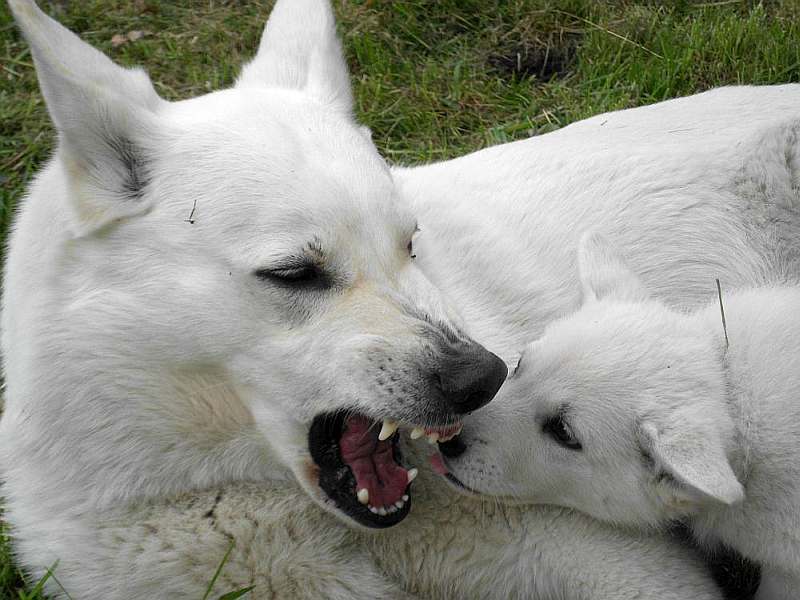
point(360, 466)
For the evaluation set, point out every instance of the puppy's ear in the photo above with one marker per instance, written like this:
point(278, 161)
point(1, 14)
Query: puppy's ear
point(695, 460)
point(300, 50)
point(102, 113)
point(603, 272)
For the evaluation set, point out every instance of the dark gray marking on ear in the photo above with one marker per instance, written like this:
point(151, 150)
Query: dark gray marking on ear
point(135, 167)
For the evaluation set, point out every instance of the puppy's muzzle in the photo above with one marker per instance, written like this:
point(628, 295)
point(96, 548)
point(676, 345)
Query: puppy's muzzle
point(469, 377)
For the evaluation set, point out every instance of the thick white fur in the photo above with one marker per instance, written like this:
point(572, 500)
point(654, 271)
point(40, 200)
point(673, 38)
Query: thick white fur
point(672, 422)
point(143, 363)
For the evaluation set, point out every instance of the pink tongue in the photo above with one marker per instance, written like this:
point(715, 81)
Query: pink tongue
point(372, 462)
point(437, 463)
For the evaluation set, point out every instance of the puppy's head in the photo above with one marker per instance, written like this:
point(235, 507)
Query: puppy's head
point(616, 411)
point(257, 229)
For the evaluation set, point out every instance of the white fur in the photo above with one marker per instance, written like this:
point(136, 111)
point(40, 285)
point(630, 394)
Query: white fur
point(144, 361)
point(672, 423)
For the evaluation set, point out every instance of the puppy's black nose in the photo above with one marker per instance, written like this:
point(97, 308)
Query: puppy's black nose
point(470, 378)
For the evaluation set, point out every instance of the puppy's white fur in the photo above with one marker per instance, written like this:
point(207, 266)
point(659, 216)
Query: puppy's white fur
point(672, 423)
point(113, 399)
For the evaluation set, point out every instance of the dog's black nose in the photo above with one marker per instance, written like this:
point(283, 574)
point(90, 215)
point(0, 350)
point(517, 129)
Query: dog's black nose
point(471, 378)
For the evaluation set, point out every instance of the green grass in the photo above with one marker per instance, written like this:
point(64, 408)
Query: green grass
point(433, 79)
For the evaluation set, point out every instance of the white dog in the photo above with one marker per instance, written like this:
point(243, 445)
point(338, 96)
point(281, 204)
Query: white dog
point(221, 290)
point(638, 414)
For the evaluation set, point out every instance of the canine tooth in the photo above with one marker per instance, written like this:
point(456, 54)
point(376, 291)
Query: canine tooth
point(373, 510)
point(458, 431)
point(412, 474)
point(363, 495)
point(382, 511)
point(399, 504)
point(387, 429)
point(405, 497)
point(433, 437)
point(417, 432)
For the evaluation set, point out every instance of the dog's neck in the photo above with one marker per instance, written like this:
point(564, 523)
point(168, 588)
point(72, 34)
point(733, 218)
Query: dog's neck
point(178, 431)
point(709, 322)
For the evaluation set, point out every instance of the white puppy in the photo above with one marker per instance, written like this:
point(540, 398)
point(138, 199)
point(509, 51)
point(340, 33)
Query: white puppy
point(638, 414)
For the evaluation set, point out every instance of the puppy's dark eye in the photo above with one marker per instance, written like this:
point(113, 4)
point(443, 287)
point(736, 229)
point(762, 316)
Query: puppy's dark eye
point(301, 275)
point(558, 429)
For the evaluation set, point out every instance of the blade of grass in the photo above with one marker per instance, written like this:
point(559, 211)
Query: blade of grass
point(219, 570)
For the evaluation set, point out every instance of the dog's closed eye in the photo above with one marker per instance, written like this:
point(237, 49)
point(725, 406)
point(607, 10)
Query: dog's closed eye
point(302, 274)
point(557, 428)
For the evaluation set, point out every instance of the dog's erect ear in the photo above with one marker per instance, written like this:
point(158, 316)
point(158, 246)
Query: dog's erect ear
point(102, 112)
point(695, 460)
point(604, 273)
point(300, 50)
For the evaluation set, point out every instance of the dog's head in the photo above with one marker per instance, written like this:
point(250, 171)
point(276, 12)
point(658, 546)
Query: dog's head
point(257, 229)
point(617, 410)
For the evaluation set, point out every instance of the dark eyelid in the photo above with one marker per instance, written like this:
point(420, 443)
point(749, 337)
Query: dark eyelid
point(304, 274)
point(557, 422)
point(292, 264)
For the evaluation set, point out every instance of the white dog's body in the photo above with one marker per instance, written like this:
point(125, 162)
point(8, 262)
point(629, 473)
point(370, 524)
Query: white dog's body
point(139, 357)
point(692, 189)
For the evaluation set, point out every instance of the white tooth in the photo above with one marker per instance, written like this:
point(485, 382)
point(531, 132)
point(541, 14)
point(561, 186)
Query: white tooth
point(373, 510)
point(458, 431)
point(405, 497)
point(417, 432)
point(391, 509)
point(382, 511)
point(446, 438)
point(363, 495)
point(433, 437)
point(412, 475)
point(399, 504)
point(387, 429)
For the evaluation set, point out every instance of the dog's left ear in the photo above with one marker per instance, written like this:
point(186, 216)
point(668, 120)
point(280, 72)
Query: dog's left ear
point(104, 113)
point(695, 459)
point(300, 50)
point(604, 273)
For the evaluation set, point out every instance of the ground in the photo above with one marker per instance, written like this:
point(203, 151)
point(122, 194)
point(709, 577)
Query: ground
point(433, 79)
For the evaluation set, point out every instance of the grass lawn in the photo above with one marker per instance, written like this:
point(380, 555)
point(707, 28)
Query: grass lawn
point(433, 78)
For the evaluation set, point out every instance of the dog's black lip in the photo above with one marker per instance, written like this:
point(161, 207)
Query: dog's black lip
point(456, 481)
point(337, 480)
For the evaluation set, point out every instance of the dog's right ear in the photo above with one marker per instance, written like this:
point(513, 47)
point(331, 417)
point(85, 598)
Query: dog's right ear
point(694, 459)
point(300, 50)
point(102, 113)
point(603, 272)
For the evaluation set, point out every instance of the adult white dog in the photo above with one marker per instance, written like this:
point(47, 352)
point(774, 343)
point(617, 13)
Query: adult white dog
point(209, 292)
